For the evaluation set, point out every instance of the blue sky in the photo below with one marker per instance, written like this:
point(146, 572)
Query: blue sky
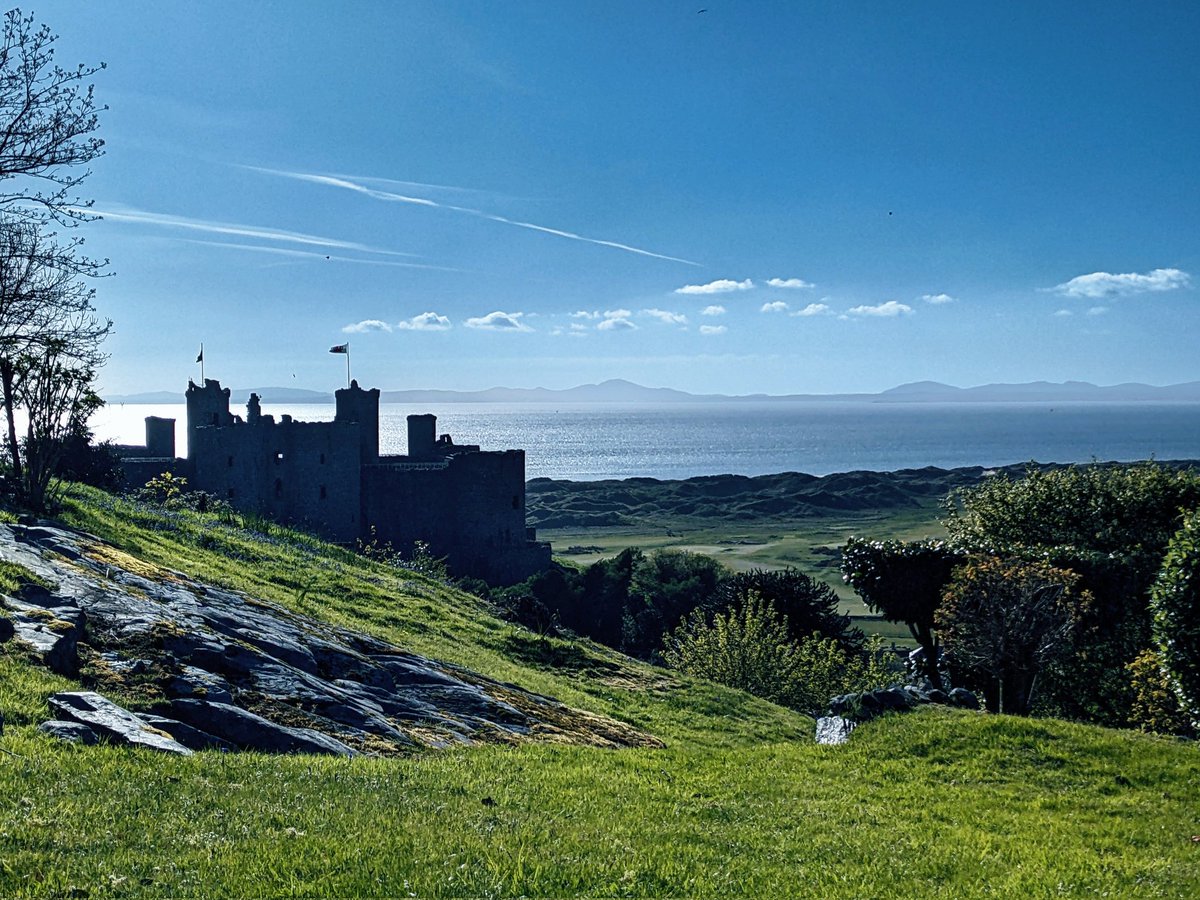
point(775, 197)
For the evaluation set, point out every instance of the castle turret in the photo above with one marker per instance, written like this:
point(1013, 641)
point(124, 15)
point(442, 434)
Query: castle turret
point(422, 435)
point(206, 406)
point(356, 405)
point(160, 437)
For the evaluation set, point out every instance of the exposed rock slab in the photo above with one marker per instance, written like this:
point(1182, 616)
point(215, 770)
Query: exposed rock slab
point(107, 719)
point(74, 732)
point(222, 670)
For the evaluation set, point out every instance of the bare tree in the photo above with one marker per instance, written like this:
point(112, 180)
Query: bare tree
point(48, 120)
point(49, 334)
point(43, 302)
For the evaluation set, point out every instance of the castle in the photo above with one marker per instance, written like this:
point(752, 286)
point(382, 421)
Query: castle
point(466, 504)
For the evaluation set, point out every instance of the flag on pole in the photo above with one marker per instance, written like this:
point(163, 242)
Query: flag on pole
point(200, 356)
point(340, 348)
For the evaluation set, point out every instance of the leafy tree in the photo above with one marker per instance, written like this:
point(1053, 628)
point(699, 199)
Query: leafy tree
point(664, 588)
point(603, 597)
point(48, 119)
point(1176, 611)
point(805, 604)
point(903, 582)
point(56, 390)
point(44, 303)
point(1008, 618)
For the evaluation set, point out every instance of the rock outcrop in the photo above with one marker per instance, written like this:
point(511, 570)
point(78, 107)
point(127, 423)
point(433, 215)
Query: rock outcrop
point(847, 711)
point(215, 669)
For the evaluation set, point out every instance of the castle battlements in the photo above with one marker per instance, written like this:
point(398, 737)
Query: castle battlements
point(465, 503)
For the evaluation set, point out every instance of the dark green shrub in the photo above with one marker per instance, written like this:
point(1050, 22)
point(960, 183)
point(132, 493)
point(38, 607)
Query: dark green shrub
point(664, 588)
point(1176, 612)
point(1111, 525)
point(903, 581)
point(806, 605)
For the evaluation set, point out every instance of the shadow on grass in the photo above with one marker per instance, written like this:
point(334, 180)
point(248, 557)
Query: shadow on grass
point(557, 655)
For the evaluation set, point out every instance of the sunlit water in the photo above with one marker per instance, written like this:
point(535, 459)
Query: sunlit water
point(594, 441)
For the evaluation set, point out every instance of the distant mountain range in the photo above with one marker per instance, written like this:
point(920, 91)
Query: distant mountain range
point(620, 391)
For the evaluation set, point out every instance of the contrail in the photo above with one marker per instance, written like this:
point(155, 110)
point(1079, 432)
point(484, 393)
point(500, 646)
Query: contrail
point(391, 197)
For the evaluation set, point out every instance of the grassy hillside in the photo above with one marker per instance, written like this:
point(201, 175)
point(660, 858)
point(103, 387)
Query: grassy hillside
point(938, 803)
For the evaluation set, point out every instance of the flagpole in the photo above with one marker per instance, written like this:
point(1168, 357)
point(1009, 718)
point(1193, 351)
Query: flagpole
point(347, 364)
point(201, 361)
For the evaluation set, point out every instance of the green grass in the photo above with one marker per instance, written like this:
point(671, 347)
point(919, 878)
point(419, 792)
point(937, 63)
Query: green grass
point(741, 802)
point(15, 578)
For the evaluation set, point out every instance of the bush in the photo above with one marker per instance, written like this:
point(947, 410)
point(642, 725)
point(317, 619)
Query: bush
point(748, 647)
point(1111, 525)
point(1175, 606)
point(1008, 619)
point(664, 588)
point(1103, 508)
point(1155, 706)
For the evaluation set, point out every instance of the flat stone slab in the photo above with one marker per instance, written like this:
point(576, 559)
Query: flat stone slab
point(108, 720)
point(253, 732)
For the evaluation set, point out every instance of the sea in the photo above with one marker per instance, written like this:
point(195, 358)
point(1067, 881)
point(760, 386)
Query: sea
point(594, 441)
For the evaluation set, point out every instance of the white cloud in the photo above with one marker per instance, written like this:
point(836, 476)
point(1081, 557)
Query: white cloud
point(617, 313)
point(499, 321)
point(714, 310)
point(720, 286)
point(890, 309)
point(813, 309)
point(1106, 284)
point(426, 321)
point(793, 283)
point(666, 316)
point(1063, 313)
point(616, 323)
point(1097, 310)
point(584, 314)
point(366, 325)
point(774, 306)
point(713, 329)
point(938, 299)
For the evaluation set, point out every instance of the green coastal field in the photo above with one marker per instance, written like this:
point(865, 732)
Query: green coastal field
point(771, 522)
point(738, 801)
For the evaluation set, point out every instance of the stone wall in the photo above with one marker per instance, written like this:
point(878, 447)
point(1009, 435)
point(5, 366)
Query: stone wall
point(469, 508)
point(302, 473)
